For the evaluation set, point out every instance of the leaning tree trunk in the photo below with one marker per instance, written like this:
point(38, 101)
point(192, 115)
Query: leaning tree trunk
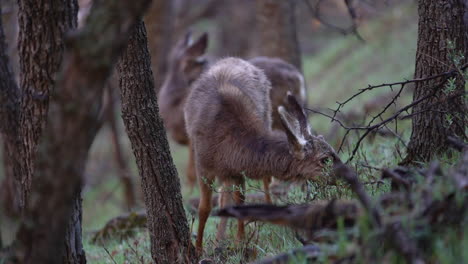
point(64, 147)
point(9, 113)
point(160, 21)
point(167, 223)
point(444, 113)
point(276, 31)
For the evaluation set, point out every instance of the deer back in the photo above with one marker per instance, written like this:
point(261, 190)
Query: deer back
point(228, 103)
point(284, 78)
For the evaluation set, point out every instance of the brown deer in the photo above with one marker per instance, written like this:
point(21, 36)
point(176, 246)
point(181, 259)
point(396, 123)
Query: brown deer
point(228, 118)
point(284, 77)
point(186, 63)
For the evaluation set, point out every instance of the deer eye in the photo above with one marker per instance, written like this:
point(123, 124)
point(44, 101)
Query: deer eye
point(326, 161)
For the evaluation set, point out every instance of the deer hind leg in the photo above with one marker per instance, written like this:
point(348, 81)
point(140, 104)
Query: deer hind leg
point(204, 207)
point(266, 188)
point(191, 173)
point(239, 199)
point(225, 198)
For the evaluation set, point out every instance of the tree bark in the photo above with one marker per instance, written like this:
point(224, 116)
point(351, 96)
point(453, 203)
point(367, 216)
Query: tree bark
point(160, 21)
point(167, 223)
point(439, 116)
point(43, 25)
point(276, 31)
point(9, 113)
point(68, 135)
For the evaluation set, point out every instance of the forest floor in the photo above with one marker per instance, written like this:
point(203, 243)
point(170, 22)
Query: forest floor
point(333, 73)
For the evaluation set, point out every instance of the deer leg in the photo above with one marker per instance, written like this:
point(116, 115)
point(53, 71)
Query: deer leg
point(239, 199)
point(266, 188)
point(204, 208)
point(224, 200)
point(191, 174)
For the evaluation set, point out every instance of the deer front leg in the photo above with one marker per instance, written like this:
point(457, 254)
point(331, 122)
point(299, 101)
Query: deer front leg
point(204, 209)
point(224, 200)
point(266, 188)
point(191, 174)
point(239, 199)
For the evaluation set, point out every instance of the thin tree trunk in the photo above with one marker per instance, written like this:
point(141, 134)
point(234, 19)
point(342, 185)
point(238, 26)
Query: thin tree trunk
point(167, 223)
point(276, 31)
point(160, 21)
point(440, 21)
point(9, 114)
point(125, 176)
point(68, 135)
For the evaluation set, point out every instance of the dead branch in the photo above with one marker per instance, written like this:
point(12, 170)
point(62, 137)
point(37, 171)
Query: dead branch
point(309, 252)
point(315, 12)
point(457, 143)
point(121, 226)
point(346, 173)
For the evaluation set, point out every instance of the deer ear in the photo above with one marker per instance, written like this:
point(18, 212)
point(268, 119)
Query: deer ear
point(198, 48)
point(188, 38)
point(298, 111)
point(293, 132)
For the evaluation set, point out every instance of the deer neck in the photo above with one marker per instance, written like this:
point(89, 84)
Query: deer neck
point(270, 156)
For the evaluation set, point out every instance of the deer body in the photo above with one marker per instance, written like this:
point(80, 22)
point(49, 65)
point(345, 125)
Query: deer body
point(228, 119)
point(185, 65)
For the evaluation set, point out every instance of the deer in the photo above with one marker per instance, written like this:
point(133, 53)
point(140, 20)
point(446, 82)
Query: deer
point(186, 62)
point(229, 122)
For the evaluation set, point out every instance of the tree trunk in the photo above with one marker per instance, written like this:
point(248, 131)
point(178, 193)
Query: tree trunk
point(43, 25)
point(276, 31)
point(443, 114)
point(69, 133)
point(9, 113)
point(167, 223)
point(160, 21)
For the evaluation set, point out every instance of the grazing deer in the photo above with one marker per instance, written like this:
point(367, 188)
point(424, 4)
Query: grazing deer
point(228, 118)
point(185, 65)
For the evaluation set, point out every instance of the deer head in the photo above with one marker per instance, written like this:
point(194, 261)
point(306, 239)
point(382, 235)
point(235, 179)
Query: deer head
point(186, 59)
point(312, 154)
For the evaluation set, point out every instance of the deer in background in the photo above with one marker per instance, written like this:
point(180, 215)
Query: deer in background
point(228, 119)
point(186, 63)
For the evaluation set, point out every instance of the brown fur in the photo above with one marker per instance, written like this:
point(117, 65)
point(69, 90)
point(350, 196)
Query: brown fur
point(228, 118)
point(185, 65)
point(284, 77)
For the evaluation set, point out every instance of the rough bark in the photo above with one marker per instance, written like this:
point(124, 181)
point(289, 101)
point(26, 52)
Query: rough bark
point(440, 21)
point(67, 137)
point(160, 21)
point(276, 31)
point(9, 113)
point(43, 24)
point(167, 223)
